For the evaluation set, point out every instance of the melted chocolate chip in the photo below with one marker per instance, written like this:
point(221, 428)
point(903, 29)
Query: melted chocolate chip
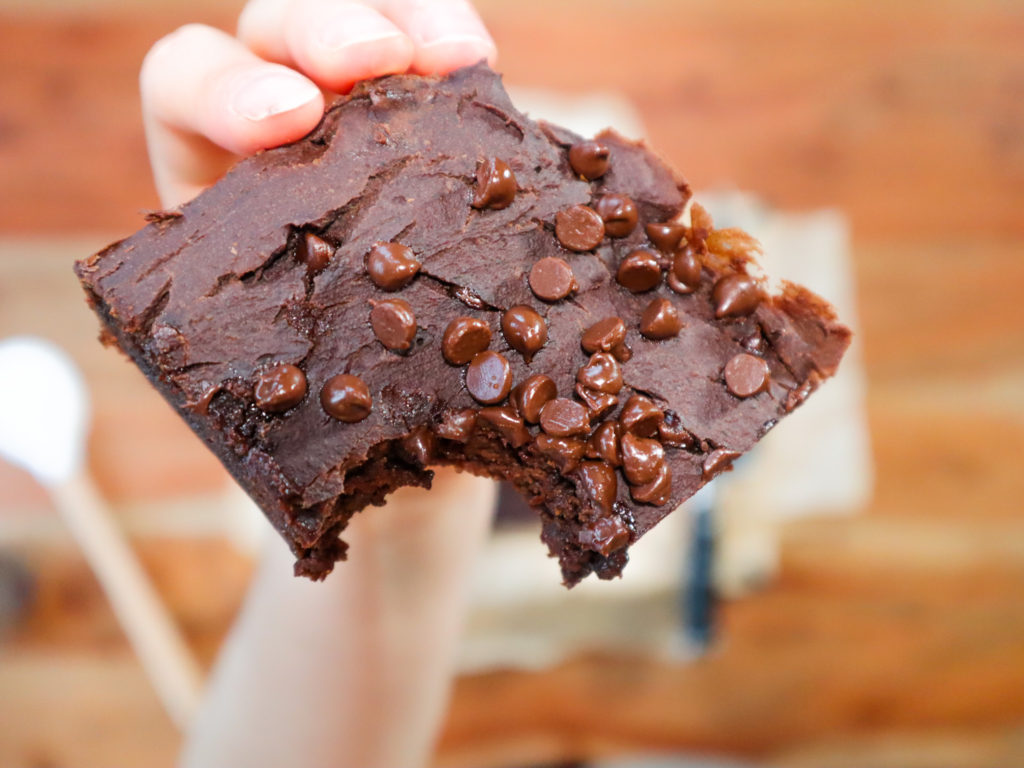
point(604, 335)
point(345, 397)
point(641, 416)
point(531, 395)
point(641, 458)
point(684, 275)
point(552, 279)
point(589, 159)
point(618, 213)
point(605, 535)
point(464, 338)
point(753, 343)
point(600, 484)
point(564, 452)
point(457, 425)
point(601, 373)
point(666, 236)
point(622, 352)
point(639, 271)
point(599, 403)
point(736, 296)
point(604, 443)
point(507, 423)
point(391, 266)
point(524, 330)
point(314, 252)
point(562, 417)
point(746, 375)
point(394, 324)
point(280, 388)
point(488, 378)
point(671, 432)
point(419, 447)
point(495, 185)
point(657, 491)
point(660, 320)
point(579, 228)
point(719, 460)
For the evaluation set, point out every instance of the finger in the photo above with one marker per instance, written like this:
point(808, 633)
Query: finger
point(447, 34)
point(335, 42)
point(205, 96)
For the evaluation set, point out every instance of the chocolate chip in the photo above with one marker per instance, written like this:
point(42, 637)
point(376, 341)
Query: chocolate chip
point(639, 271)
point(660, 320)
point(604, 335)
point(579, 228)
point(391, 266)
point(532, 394)
point(562, 417)
point(598, 403)
point(601, 373)
point(457, 425)
point(736, 296)
point(419, 447)
point(599, 483)
point(641, 416)
point(672, 432)
point(551, 279)
point(753, 343)
point(719, 460)
point(488, 378)
point(746, 375)
point(280, 388)
point(345, 397)
point(604, 443)
point(524, 330)
point(314, 252)
point(641, 458)
point(589, 159)
point(564, 452)
point(666, 236)
point(507, 423)
point(605, 535)
point(495, 185)
point(657, 491)
point(684, 275)
point(618, 213)
point(464, 338)
point(622, 352)
point(393, 323)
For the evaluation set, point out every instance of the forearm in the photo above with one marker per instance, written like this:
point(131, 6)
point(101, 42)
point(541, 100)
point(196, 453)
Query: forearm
point(354, 671)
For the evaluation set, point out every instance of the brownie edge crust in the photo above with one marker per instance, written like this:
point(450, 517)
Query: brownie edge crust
point(432, 278)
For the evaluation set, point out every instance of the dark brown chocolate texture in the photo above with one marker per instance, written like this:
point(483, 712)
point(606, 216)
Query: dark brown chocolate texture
point(212, 299)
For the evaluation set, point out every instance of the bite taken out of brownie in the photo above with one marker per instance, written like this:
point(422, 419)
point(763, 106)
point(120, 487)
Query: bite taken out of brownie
point(432, 278)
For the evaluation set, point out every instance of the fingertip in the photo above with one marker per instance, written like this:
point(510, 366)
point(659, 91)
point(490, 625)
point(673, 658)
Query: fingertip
point(340, 63)
point(447, 53)
point(338, 44)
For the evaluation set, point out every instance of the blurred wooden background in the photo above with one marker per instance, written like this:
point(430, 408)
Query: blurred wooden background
point(895, 638)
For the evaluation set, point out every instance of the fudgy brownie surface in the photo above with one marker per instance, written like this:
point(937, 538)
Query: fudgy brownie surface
point(431, 277)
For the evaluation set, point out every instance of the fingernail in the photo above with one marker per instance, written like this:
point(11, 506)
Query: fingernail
point(272, 93)
point(481, 47)
point(335, 38)
point(475, 41)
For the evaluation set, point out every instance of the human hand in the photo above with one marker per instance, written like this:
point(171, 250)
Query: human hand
point(208, 97)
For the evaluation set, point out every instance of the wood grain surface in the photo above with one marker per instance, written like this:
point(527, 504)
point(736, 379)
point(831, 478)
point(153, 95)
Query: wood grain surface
point(893, 638)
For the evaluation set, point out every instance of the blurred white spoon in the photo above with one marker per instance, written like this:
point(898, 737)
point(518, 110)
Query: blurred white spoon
point(44, 416)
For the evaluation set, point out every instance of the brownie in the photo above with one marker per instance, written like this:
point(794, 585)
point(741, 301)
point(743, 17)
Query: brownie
point(432, 278)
